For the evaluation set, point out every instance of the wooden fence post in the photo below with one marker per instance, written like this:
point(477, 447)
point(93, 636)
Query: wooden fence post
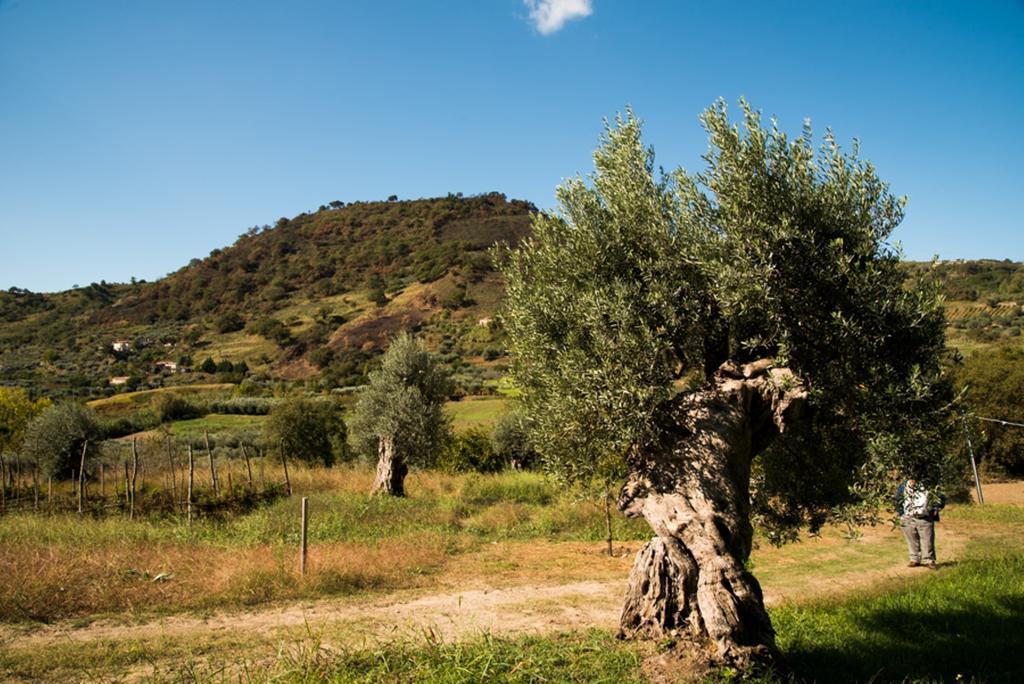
point(305, 527)
point(248, 465)
point(135, 474)
point(81, 478)
point(191, 477)
point(213, 470)
point(174, 478)
point(284, 462)
point(3, 484)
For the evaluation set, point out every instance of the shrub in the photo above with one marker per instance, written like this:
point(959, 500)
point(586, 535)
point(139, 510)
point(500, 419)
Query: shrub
point(471, 451)
point(170, 407)
point(244, 406)
point(311, 431)
point(512, 441)
point(229, 322)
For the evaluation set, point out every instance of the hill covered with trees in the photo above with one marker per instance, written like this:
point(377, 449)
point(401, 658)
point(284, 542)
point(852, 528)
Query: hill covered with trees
point(314, 298)
point(311, 297)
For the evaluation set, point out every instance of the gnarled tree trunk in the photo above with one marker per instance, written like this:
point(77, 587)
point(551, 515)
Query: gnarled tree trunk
point(391, 469)
point(694, 489)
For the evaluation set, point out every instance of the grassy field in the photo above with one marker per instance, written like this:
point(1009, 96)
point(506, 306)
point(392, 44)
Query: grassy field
point(360, 543)
point(128, 402)
point(475, 412)
point(215, 422)
point(153, 598)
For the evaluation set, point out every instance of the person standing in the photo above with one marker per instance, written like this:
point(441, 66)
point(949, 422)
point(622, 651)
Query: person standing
point(919, 511)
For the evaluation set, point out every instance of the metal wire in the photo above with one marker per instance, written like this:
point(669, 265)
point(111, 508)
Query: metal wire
point(997, 420)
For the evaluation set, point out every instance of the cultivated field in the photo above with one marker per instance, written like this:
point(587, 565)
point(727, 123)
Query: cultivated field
point(472, 578)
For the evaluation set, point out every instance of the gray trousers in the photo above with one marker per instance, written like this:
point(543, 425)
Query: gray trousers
point(920, 534)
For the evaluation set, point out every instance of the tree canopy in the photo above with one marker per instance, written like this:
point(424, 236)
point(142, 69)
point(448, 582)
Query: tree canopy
point(641, 284)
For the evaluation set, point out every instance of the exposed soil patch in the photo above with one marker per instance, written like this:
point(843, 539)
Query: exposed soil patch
point(1011, 493)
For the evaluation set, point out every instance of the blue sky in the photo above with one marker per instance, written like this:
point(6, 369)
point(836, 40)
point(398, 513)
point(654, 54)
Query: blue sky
point(135, 136)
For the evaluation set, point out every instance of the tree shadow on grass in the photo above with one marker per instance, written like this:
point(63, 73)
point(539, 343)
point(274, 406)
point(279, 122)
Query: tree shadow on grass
point(968, 626)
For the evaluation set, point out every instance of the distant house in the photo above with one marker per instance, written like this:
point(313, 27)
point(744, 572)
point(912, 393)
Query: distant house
point(119, 380)
point(484, 321)
point(122, 346)
point(169, 366)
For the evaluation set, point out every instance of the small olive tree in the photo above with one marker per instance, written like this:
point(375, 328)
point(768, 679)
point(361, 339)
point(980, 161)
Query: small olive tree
point(401, 413)
point(56, 438)
point(742, 340)
point(308, 429)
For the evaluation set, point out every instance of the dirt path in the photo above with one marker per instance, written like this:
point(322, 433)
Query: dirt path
point(447, 615)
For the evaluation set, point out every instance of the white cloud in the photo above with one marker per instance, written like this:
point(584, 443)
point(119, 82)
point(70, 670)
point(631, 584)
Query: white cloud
point(549, 16)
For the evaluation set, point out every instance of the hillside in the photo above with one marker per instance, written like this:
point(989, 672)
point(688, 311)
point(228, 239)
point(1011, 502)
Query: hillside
point(984, 301)
point(313, 297)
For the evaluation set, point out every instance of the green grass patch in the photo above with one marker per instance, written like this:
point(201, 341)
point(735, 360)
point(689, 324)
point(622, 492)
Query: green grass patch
point(129, 402)
point(475, 412)
point(988, 513)
point(524, 487)
point(504, 386)
point(215, 422)
point(591, 656)
point(96, 660)
point(237, 346)
point(962, 623)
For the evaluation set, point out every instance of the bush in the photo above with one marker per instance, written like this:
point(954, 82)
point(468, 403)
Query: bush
point(471, 451)
point(311, 431)
point(512, 441)
point(229, 322)
point(130, 424)
point(170, 407)
point(243, 406)
point(273, 330)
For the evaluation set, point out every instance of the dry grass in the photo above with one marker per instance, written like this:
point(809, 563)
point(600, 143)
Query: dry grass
point(42, 583)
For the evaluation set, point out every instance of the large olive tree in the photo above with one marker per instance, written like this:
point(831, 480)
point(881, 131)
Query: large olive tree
point(688, 324)
point(400, 413)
